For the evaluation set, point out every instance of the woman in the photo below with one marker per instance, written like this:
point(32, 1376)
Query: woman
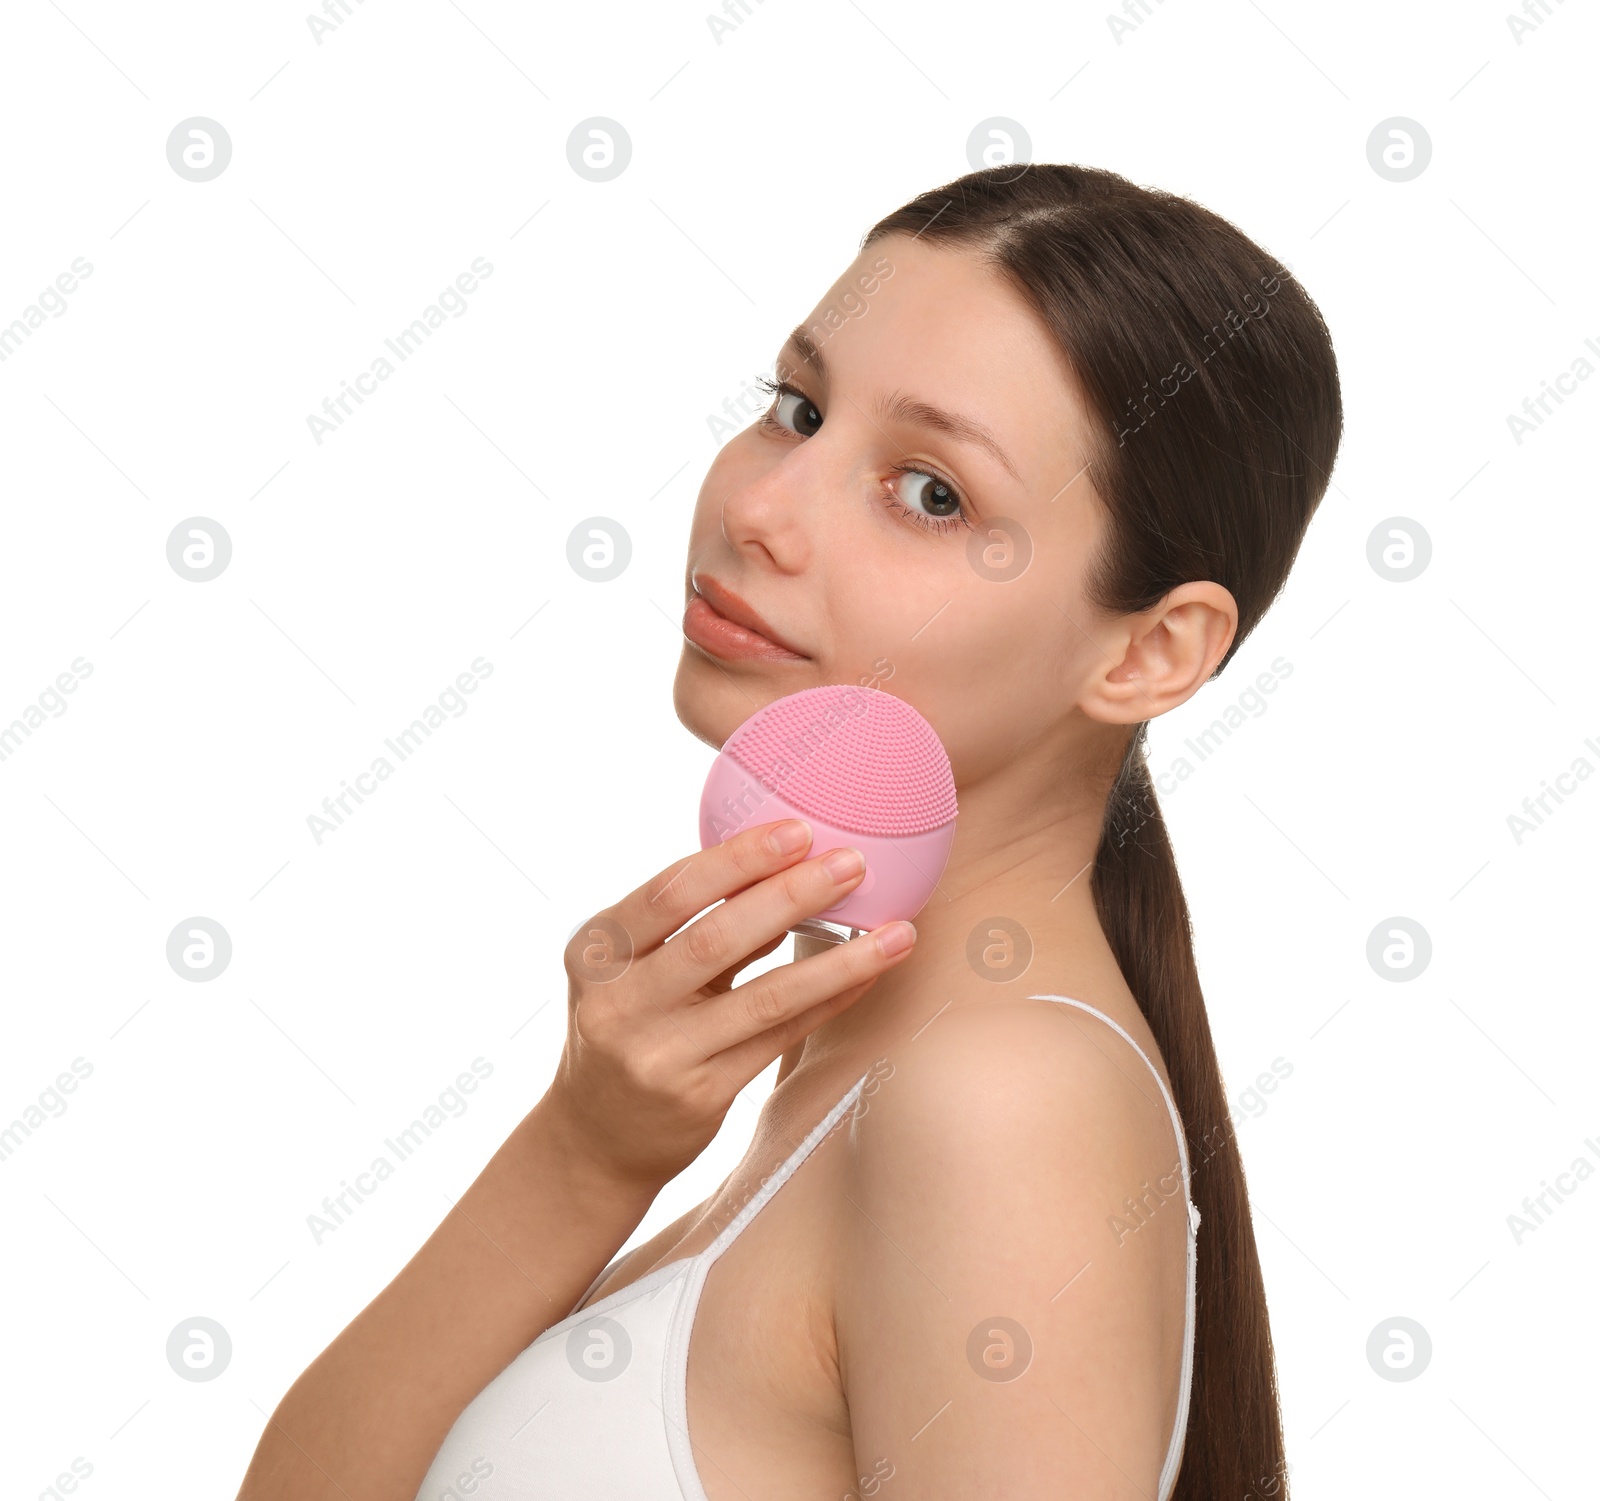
point(1037, 464)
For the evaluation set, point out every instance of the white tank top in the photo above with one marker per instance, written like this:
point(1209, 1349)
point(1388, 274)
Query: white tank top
point(596, 1408)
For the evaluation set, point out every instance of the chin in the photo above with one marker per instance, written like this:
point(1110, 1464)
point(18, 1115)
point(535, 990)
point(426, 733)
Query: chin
point(705, 701)
point(711, 705)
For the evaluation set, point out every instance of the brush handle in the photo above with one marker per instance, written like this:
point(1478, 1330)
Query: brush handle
point(827, 932)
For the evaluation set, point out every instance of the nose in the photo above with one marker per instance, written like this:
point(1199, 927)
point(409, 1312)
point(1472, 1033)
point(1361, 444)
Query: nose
point(771, 516)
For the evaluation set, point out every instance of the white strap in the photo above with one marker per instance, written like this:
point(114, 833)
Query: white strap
point(1169, 1470)
point(675, 1376)
point(731, 1231)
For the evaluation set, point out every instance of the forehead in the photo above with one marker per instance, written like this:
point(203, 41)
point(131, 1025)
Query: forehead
point(944, 327)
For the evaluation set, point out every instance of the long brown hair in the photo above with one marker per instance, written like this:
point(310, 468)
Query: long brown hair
point(1213, 392)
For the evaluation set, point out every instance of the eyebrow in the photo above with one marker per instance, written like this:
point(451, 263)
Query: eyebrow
point(900, 407)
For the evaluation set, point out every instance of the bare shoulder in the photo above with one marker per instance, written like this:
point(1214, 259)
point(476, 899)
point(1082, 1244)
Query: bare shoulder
point(1011, 1087)
point(991, 1174)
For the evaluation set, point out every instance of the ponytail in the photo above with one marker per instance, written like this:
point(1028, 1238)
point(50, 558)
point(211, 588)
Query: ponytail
point(1212, 473)
point(1234, 1447)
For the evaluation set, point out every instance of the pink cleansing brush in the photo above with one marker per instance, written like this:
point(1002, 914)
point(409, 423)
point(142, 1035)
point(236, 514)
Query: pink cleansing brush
point(863, 768)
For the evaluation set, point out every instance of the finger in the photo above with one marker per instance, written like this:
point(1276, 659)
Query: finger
point(725, 980)
point(752, 1057)
point(733, 928)
point(761, 1019)
point(653, 912)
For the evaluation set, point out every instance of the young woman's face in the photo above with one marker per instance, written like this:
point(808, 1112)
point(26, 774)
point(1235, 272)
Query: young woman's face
point(914, 513)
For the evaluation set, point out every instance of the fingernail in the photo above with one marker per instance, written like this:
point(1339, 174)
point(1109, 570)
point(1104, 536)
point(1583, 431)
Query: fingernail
point(790, 835)
point(841, 865)
point(896, 939)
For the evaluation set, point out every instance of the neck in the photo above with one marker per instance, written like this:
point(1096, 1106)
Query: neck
point(1013, 915)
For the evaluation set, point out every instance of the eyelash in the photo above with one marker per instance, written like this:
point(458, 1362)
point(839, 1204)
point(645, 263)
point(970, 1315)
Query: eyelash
point(938, 525)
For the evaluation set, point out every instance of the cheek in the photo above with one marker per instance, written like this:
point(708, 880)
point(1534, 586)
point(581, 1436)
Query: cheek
point(1008, 667)
point(962, 657)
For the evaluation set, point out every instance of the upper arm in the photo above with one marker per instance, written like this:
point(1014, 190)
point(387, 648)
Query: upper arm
point(1002, 1329)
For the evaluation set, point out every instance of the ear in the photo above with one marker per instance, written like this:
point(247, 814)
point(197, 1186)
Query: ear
point(1166, 653)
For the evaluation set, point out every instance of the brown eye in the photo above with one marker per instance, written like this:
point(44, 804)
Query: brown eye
point(926, 495)
point(798, 413)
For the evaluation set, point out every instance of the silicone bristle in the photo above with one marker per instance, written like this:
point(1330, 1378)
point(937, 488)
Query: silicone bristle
point(858, 758)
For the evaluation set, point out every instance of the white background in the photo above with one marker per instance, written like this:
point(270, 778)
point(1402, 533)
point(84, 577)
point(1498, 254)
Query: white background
point(368, 171)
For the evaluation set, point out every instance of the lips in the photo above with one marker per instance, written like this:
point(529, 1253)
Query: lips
point(719, 620)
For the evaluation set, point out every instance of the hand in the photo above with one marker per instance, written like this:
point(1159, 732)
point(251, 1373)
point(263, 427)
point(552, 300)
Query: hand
point(659, 1042)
